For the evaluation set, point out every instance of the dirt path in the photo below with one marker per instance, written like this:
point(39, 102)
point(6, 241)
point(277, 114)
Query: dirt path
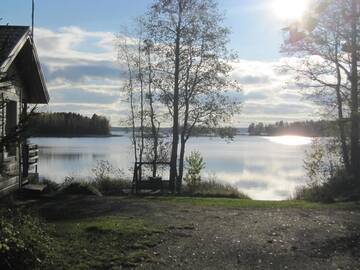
point(199, 237)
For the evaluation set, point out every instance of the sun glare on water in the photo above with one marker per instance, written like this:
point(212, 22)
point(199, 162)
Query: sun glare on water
point(290, 9)
point(290, 140)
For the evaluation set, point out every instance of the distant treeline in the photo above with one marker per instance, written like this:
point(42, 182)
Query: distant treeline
point(196, 131)
point(68, 124)
point(222, 132)
point(305, 128)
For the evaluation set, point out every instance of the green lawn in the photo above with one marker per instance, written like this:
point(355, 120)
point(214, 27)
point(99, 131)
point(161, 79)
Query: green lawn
point(108, 242)
point(245, 203)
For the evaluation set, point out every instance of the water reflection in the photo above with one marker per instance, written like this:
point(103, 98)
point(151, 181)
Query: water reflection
point(52, 154)
point(263, 167)
point(290, 140)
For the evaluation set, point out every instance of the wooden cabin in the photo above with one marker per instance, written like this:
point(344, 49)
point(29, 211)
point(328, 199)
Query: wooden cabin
point(21, 84)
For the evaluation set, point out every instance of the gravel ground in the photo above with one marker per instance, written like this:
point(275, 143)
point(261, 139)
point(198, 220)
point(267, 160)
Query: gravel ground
point(198, 237)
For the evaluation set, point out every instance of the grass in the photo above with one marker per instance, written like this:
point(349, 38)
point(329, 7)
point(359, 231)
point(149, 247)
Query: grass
point(117, 242)
point(109, 242)
point(214, 188)
point(247, 203)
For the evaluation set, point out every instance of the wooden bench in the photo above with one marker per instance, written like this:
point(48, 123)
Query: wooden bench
point(153, 183)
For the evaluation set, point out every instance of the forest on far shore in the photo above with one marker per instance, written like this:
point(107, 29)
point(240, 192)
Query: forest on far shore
point(68, 124)
point(321, 128)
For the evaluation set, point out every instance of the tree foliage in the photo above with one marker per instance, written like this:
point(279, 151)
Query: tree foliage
point(326, 44)
point(191, 70)
point(194, 164)
point(24, 242)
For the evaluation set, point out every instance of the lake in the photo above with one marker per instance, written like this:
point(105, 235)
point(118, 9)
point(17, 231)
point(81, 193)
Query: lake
point(266, 168)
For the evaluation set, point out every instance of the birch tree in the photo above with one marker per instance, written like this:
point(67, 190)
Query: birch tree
point(192, 72)
point(135, 55)
point(326, 42)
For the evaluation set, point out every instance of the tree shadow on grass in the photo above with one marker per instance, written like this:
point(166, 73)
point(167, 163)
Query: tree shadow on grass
point(77, 207)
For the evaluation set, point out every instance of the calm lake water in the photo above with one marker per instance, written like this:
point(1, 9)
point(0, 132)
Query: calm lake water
point(263, 167)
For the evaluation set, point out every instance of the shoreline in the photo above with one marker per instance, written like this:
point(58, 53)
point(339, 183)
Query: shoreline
point(76, 136)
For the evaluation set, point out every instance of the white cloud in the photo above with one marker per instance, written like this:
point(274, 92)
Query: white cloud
point(83, 75)
point(270, 95)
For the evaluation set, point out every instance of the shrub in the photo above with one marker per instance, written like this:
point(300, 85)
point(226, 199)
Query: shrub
point(98, 186)
point(108, 179)
point(314, 193)
point(80, 188)
point(51, 186)
point(110, 186)
point(339, 187)
point(104, 169)
point(328, 181)
point(194, 165)
point(342, 187)
point(24, 243)
point(322, 161)
point(212, 187)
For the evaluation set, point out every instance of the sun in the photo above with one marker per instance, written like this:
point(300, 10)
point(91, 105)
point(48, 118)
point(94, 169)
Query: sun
point(290, 9)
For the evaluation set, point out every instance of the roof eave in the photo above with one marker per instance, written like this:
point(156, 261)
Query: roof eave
point(40, 73)
point(14, 52)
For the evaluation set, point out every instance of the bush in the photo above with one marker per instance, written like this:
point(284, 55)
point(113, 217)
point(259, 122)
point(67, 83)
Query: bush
point(194, 165)
point(328, 181)
point(110, 186)
point(314, 193)
point(98, 186)
point(340, 187)
point(51, 186)
point(79, 188)
point(210, 188)
point(213, 188)
point(108, 179)
point(24, 243)
point(104, 169)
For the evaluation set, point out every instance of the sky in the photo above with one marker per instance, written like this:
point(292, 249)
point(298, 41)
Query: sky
point(75, 40)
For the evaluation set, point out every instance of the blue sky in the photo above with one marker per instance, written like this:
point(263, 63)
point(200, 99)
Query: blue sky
point(256, 33)
point(75, 43)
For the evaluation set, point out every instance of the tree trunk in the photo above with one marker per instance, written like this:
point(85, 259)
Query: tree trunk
point(182, 145)
point(155, 134)
point(175, 129)
point(354, 94)
point(141, 79)
point(341, 120)
point(181, 162)
point(133, 124)
point(154, 130)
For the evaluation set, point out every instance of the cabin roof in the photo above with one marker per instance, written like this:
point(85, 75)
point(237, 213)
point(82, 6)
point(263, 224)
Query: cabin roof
point(17, 50)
